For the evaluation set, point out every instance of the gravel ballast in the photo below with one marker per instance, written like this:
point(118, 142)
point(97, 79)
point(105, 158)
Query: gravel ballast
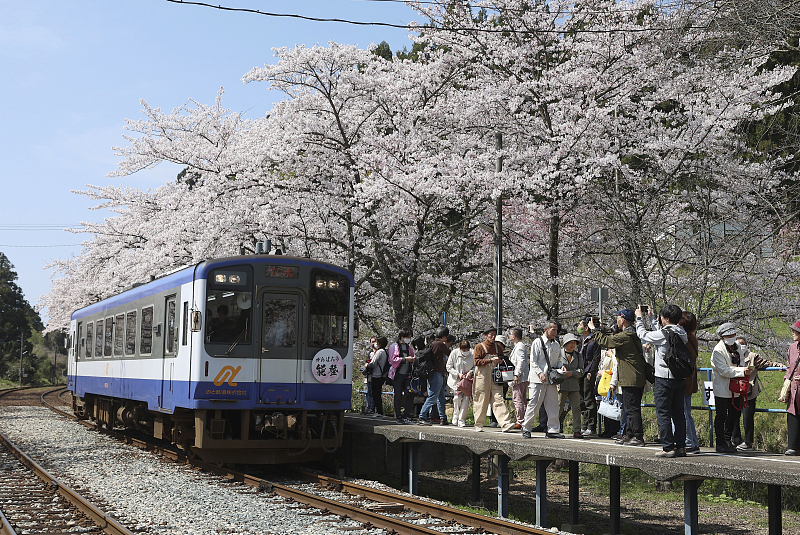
point(145, 493)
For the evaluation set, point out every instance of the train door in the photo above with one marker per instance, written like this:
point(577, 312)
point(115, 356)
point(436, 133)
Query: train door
point(281, 348)
point(170, 350)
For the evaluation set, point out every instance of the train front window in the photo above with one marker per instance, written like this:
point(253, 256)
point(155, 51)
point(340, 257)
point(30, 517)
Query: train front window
point(329, 309)
point(229, 306)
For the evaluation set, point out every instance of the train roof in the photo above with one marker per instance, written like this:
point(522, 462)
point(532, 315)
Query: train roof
point(200, 271)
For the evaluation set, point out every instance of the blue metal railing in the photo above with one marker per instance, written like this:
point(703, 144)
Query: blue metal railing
point(712, 408)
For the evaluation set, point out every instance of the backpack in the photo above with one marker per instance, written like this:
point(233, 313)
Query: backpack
point(424, 364)
point(677, 356)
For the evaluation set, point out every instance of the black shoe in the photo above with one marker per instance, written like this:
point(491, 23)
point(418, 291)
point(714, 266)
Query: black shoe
point(527, 434)
point(680, 452)
point(635, 442)
point(538, 429)
point(693, 449)
point(554, 435)
point(622, 440)
point(401, 421)
point(726, 448)
point(423, 421)
point(444, 422)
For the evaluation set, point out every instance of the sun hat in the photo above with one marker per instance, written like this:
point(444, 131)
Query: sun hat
point(726, 329)
point(569, 338)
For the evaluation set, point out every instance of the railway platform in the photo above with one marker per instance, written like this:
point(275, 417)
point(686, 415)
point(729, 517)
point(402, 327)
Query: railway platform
point(774, 470)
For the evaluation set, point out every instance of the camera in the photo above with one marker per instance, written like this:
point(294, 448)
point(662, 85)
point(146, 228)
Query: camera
point(645, 309)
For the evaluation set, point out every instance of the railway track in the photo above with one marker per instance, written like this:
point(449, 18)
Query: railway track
point(33, 501)
point(338, 500)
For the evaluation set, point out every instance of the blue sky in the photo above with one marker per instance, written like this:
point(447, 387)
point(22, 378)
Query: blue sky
point(72, 72)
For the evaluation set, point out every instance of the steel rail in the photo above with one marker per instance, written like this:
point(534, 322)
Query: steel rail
point(103, 521)
point(5, 526)
point(488, 523)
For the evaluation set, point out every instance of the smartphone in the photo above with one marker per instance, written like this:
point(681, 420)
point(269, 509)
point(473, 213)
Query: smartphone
point(596, 321)
point(645, 309)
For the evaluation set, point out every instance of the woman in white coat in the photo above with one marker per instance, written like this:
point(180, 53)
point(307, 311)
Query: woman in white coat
point(726, 362)
point(460, 364)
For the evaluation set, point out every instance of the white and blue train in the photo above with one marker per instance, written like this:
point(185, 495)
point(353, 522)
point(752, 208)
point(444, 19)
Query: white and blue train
point(239, 359)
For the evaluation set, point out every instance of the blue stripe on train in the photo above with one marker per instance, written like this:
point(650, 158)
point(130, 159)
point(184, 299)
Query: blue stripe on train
point(208, 396)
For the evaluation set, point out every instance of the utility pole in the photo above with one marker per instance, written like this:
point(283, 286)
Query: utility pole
point(498, 243)
point(21, 342)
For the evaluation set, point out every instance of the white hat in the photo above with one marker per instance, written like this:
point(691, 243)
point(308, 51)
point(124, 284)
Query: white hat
point(501, 339)
point(569, 338)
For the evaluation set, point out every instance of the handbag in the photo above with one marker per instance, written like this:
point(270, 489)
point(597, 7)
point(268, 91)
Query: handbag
point(605, 383)
point(610, 408)
point(464, 386)
point(740, 385)
point(502, 374)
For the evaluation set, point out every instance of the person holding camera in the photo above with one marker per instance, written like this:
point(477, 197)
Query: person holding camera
point(630, 372)
point(592, 354)
point(668, 391)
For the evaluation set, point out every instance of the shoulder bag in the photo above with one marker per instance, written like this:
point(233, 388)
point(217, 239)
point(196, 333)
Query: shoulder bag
point(553, 376)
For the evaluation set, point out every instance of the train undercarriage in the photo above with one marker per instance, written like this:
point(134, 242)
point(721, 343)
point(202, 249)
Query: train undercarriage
point(252, 436)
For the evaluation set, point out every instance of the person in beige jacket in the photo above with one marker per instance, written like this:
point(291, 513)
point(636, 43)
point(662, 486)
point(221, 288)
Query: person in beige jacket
point(756, 362)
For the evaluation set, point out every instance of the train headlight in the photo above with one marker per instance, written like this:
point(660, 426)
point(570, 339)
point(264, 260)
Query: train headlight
point(321, 283)
point(333, 285)
point(234, 279)
point(220, 278)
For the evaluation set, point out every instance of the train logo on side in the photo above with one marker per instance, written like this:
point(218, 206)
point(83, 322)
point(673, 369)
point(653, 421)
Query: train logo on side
point(226, 375)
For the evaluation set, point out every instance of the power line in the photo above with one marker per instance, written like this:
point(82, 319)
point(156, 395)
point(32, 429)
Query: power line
point(423, 27)
point(27, 246)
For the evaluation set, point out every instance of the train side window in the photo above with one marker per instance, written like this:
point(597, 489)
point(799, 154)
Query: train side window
point(119, 334)
point(89, 339)
point(98, 337)
point(79, 343)
point(169, 320)
point(185, 337)
point(130, 333)
point(109, 338)
point(329, 309)
point(146, 339)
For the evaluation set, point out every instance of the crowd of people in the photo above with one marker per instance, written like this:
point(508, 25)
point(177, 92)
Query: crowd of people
point(595, 365)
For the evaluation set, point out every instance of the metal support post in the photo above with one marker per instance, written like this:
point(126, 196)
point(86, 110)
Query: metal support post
point(404, 465)
point(476, 478)
point(710, 417)
point(573, 493)
point(614, 481)
point(774, 508)
point(413, 450)
point(541, 492)
point(502, 485)
point(691, 522)
point(498, 244)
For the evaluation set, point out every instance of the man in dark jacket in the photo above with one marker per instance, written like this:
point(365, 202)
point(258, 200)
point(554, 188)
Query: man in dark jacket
point(436, 396)
point(630, 372)
point(590, 350)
